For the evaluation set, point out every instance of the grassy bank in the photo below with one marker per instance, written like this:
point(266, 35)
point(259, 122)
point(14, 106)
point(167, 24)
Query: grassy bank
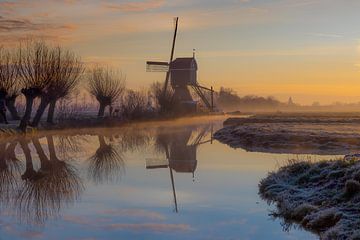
point(322, 197)
point(333, 134)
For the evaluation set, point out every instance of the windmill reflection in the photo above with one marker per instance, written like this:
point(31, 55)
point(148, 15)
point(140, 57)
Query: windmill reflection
point(180, 149)
point(107, 164)
point(45, 191)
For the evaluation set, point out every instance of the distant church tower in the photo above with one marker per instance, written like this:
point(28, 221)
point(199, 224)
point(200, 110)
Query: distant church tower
point(290, 102)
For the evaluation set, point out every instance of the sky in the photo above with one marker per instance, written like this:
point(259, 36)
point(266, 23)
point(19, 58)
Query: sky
point(307, 49)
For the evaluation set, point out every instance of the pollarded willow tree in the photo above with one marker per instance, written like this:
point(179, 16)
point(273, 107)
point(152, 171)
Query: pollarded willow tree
point(106, 85)
point(36, 68)
point(9, 81)
point(69, 68)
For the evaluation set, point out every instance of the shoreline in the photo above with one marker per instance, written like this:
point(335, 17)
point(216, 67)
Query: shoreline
point(293, 134)
point(321, 197)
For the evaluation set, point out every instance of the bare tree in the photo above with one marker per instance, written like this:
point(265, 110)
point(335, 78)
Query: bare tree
point(135, 105)
point(37, 66)
point(65, 79)
point(165, 100)
point(9, 80)
point(106, 86)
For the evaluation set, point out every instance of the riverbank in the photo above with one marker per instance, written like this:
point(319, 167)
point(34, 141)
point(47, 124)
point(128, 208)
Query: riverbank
point(332, 134)
point(322, 197)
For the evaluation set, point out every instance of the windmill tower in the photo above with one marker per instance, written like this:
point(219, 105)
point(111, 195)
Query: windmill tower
point(182, 75)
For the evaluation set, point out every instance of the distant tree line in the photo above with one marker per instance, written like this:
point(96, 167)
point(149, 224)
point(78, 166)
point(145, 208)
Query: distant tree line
point(227, 98)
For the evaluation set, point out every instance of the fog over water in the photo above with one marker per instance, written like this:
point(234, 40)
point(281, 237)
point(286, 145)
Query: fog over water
point(154, 180)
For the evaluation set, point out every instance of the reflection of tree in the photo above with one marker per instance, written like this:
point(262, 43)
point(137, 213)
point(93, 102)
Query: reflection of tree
point(106, 165)
point(11, 156)
point(162, 142)
point(30, 173)
point(70, 144)
point(133, 139)
point(10, 167)
point(46, 191)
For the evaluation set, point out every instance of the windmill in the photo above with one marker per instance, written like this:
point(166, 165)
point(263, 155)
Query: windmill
point(182, 74)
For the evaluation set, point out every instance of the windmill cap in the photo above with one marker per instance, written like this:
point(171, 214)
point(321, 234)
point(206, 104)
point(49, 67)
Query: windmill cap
point(184, 63)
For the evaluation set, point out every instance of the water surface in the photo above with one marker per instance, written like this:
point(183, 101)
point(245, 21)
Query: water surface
point(146, 181)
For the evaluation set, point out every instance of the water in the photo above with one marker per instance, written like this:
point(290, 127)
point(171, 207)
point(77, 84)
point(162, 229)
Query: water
point(119, 183)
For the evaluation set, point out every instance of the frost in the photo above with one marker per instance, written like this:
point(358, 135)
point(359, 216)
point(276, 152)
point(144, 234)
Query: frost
point(352, 187)
point(303, 210)
point(322, 197)
point(289, 134)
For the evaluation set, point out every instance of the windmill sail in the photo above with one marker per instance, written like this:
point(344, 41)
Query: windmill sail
point(152, 66)
point(153, 163)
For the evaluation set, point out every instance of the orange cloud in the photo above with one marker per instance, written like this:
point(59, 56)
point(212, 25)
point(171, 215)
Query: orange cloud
point(13, 30)
point(136, 6)
point(9, 25)
point(10, 7)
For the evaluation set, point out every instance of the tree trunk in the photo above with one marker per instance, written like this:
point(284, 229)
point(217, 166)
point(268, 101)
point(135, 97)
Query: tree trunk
point(10, 152)
point(10, 104)
point(26, 118)
point(43, 105)
point(51, 112)
point(101, 141)
point(44, 161)
point(29, 169)
point(101, 110)
point(3, 164)
point(2, 117)
point(52, 150)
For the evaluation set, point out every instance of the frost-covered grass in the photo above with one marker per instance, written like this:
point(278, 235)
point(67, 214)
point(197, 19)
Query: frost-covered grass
point(323, 197)
point(288, 134)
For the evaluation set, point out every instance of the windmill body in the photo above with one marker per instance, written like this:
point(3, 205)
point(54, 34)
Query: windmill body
point(183, 72)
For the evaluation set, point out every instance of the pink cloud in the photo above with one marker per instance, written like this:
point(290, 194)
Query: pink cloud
point(31, 234)
point(84, 221)
point(154, 227)
point(135, 213)
point(27, 234)
point(106, 224)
